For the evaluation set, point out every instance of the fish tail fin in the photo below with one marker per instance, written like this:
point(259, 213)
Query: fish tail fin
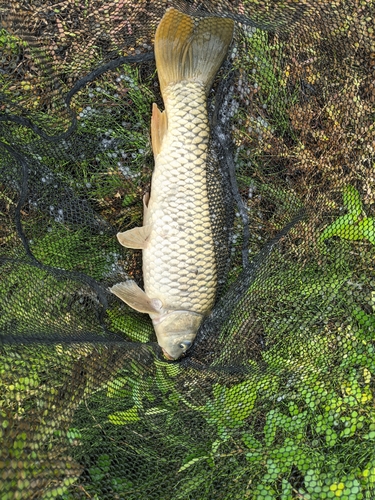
point(191, 49)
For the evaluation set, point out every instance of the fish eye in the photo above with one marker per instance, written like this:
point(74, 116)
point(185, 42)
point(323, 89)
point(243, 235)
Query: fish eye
point(185, 345)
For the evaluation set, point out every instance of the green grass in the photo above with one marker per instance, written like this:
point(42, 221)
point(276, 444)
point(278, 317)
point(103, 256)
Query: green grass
point(118, 115)
point(77, 250)
point(262, 127)
point(27, 444)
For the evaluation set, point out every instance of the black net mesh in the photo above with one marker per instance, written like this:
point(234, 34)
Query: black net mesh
point(275, 400)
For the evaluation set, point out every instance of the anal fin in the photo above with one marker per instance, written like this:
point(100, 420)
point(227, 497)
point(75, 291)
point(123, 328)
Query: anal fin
point(135, 238)
point(158, 128)
point(135, 297)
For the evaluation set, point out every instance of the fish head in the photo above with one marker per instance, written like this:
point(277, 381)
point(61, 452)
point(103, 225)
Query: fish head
point(176, 332)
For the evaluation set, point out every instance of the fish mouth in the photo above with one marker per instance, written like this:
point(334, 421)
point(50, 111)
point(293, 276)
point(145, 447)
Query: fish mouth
point(167, 355)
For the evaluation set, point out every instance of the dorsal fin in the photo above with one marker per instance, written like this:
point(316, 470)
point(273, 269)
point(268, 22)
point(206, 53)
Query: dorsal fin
point(159, 127)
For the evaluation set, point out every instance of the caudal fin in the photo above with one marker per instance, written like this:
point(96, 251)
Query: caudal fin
point(191, 48)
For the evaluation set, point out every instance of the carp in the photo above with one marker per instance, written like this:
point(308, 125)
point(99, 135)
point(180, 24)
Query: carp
point(178, 254)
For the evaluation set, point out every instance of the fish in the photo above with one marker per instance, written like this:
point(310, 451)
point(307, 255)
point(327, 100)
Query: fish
point(176, 238)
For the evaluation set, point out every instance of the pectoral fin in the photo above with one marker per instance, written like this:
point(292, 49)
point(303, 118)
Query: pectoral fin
point(135, 297)
point(135, 238)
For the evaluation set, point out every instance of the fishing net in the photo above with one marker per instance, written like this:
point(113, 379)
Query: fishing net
point(275, 400)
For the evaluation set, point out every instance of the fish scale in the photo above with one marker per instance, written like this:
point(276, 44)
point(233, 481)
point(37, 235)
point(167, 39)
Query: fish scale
point(178, 211)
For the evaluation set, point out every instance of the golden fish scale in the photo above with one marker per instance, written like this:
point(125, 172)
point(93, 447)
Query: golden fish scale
point(179, 264)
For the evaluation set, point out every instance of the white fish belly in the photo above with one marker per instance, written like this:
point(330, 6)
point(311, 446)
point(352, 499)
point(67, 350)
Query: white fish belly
point(179, 266)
